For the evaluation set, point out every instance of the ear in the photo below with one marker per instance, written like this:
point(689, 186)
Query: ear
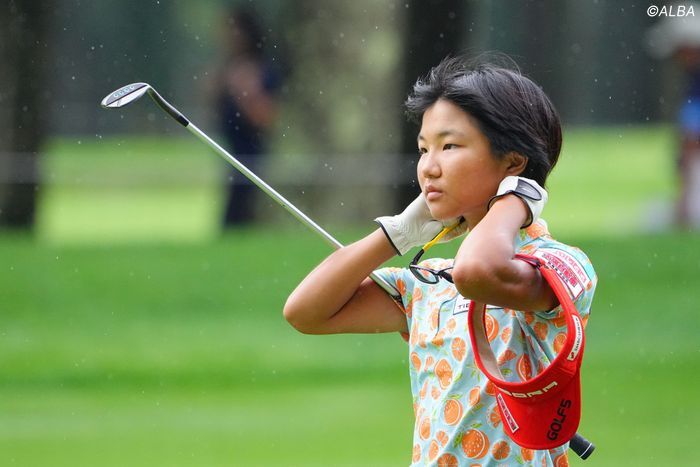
point(514, 163)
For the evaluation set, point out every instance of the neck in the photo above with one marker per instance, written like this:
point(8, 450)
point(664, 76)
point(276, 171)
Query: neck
point(474, 218)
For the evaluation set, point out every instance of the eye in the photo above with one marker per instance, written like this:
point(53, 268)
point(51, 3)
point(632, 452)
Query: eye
point(422, 151)
point(449, 146)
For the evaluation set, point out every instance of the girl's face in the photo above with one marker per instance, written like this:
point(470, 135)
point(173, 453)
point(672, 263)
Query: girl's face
point(457, 171)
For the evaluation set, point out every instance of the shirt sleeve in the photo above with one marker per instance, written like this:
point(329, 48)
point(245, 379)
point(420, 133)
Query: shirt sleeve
point(403, 281)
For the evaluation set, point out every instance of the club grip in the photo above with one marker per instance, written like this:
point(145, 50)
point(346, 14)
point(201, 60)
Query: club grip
point(581, 446)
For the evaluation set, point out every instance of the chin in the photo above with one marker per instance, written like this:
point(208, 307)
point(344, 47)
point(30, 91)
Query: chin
point(441, 214)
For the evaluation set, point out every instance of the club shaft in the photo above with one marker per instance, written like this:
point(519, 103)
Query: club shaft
point(263, 186)
point(281, 200)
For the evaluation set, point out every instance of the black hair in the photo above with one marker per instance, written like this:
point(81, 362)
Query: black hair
point(513, 112)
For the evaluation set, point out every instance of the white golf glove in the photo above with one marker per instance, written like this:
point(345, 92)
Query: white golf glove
point(534, 196)
point(415, 226)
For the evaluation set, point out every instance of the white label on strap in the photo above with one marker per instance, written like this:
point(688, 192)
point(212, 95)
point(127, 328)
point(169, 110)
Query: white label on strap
point(508, 417)
point(578, 340)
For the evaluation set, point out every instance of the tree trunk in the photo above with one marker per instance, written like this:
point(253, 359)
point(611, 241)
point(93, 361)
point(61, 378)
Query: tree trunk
point(23, 51)
point(433, 30)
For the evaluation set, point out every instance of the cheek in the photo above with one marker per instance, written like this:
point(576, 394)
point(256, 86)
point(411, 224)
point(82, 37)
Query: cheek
point(475, 186)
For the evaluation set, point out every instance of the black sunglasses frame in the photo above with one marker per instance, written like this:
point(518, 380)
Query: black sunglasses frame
point(436, 274)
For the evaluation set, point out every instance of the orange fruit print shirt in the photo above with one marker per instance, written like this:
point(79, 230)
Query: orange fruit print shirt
point(456, 419)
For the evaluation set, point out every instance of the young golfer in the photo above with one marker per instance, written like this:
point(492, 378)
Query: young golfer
point(488, 138)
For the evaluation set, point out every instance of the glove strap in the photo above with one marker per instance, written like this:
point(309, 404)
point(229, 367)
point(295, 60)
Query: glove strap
point(386, 234)
point(523, 189)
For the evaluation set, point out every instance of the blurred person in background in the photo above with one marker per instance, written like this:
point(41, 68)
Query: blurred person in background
point(679, 38)
point(246, 102)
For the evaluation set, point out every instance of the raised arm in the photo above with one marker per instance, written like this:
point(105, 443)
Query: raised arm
point(337, 296)
point(485, 269)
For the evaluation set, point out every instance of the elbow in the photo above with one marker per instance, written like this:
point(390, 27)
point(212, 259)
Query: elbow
point(294, 313)
point(472, 278)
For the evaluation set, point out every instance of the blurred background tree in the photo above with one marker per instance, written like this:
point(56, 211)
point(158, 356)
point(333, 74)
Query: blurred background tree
point(350, 67)
point(425, 43)
point(24, 102)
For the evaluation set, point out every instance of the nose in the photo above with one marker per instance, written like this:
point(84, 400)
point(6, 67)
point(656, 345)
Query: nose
point(428, 166)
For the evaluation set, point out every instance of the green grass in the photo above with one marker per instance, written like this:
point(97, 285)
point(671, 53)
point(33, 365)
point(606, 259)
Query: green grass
point(607, 180)
point(178, 355)
point(139, 189)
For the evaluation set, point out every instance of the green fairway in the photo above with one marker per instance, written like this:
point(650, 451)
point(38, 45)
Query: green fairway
point(138, 189)
point(178, 355)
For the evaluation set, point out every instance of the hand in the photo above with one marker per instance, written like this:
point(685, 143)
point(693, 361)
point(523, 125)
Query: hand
point(415, 226)
point(528, 190)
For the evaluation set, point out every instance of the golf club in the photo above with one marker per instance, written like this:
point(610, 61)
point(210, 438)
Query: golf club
point(132, 92)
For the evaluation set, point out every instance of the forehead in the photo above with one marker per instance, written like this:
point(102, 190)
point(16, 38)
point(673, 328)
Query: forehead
point(447, 117)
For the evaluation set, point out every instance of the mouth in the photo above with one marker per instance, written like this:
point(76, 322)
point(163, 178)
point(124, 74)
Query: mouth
point(432, 193)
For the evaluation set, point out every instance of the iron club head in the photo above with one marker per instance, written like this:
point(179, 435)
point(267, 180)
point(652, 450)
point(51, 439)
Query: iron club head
point(125, 95)
point(131, 92)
